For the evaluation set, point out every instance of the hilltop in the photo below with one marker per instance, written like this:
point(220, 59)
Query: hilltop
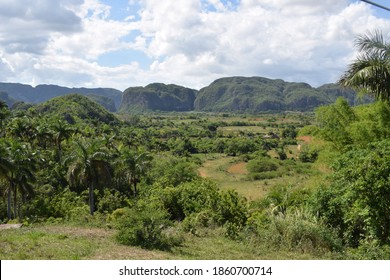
point(159, 97)
point(75, 107)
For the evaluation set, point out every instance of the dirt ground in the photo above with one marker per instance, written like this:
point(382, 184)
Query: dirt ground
point(238, 168)
point(8, 226)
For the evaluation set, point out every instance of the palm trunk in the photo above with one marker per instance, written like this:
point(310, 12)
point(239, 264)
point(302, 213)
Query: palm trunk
point(59, 150)
point(9, 211)
point(135, 189)
point(15, 204)
point(91, 200)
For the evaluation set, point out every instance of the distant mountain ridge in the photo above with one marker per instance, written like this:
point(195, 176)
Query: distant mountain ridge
point(258, 94)
point(42, 93)
point(230, 94)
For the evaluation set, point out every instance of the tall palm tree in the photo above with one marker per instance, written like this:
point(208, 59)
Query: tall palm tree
point(5, 166)
point(17, 166)
point(133, 166)
point(370, 72)
point(89, 167)
point(62, 131)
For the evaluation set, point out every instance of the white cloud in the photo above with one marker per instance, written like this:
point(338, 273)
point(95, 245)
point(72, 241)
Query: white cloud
point(26, 25)
point(191, 42)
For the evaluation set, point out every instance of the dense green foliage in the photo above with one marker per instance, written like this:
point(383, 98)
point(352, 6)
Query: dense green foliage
point(157, 97)
point(357, 203)
point(343, 125)
point(74, 107)
point(256, 94)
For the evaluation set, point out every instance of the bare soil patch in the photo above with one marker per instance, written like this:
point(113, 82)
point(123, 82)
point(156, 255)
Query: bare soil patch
point(8, 226)
point(238, 168)
point(307, 139)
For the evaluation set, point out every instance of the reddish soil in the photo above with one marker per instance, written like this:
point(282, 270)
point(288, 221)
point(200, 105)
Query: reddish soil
point(238, 168)
point(307, 139)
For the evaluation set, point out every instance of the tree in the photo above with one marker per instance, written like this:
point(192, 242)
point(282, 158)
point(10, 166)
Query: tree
point(62, 131)
point(357, 202)
point(17, 166)
point(89, 167)
point(334, 120)
point(133, 166)
point(370, 72)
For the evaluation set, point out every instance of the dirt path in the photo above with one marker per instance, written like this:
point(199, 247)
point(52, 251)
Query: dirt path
point(8, 226)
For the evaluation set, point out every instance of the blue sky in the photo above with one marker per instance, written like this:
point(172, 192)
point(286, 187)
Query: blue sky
point(123, 43)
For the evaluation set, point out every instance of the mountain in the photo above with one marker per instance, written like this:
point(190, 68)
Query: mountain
point(258, 94)
point(74, 108)
point(43, 93)
point(6, 98)
point(158, 97)
point(230, 94)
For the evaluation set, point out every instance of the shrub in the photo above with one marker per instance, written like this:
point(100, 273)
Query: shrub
point(147, 227)
point(357, 202)
point(262, 165)
point(294, 230)
point(232, 212)
point(110, 200)
point(308, 154)
point(188, 198)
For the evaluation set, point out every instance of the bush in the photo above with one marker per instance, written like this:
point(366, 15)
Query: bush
point(308, 154)
point(294, 230)
point(262, 165)
point(147, 227)
point(187, 198)
point(232, 212)
point(357, 202)
point(110, 200)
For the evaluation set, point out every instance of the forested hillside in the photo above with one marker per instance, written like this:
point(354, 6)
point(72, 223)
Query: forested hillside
point(158, 97)
point(232, 94)
point(41, 93)
point(257, 94)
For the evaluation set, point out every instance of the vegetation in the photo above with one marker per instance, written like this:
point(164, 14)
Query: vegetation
point(158, 97)
point(86, 183)
point(233, 94)
point(370, 73)
point(42, 93)
point(257, 94)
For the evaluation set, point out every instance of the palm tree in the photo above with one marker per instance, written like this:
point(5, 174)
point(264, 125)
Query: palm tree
point(89, 167)
point(62, 131)
point(370, 72)
point(133, 166)
point(17, 166)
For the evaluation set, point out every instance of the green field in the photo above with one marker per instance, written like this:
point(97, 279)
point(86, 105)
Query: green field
point(67, 242)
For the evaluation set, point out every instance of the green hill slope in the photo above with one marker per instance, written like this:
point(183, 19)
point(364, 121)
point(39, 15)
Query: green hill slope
point(159, 97)
point(74, 108)
point(257, 94)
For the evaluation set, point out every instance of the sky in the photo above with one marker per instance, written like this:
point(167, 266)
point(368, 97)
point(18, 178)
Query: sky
point(125, 43)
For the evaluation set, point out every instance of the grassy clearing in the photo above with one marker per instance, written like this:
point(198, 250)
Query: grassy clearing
point(219, 168)
point(63, 242)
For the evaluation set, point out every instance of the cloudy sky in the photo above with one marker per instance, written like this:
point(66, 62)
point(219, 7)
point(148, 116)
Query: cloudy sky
point(123, 43)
